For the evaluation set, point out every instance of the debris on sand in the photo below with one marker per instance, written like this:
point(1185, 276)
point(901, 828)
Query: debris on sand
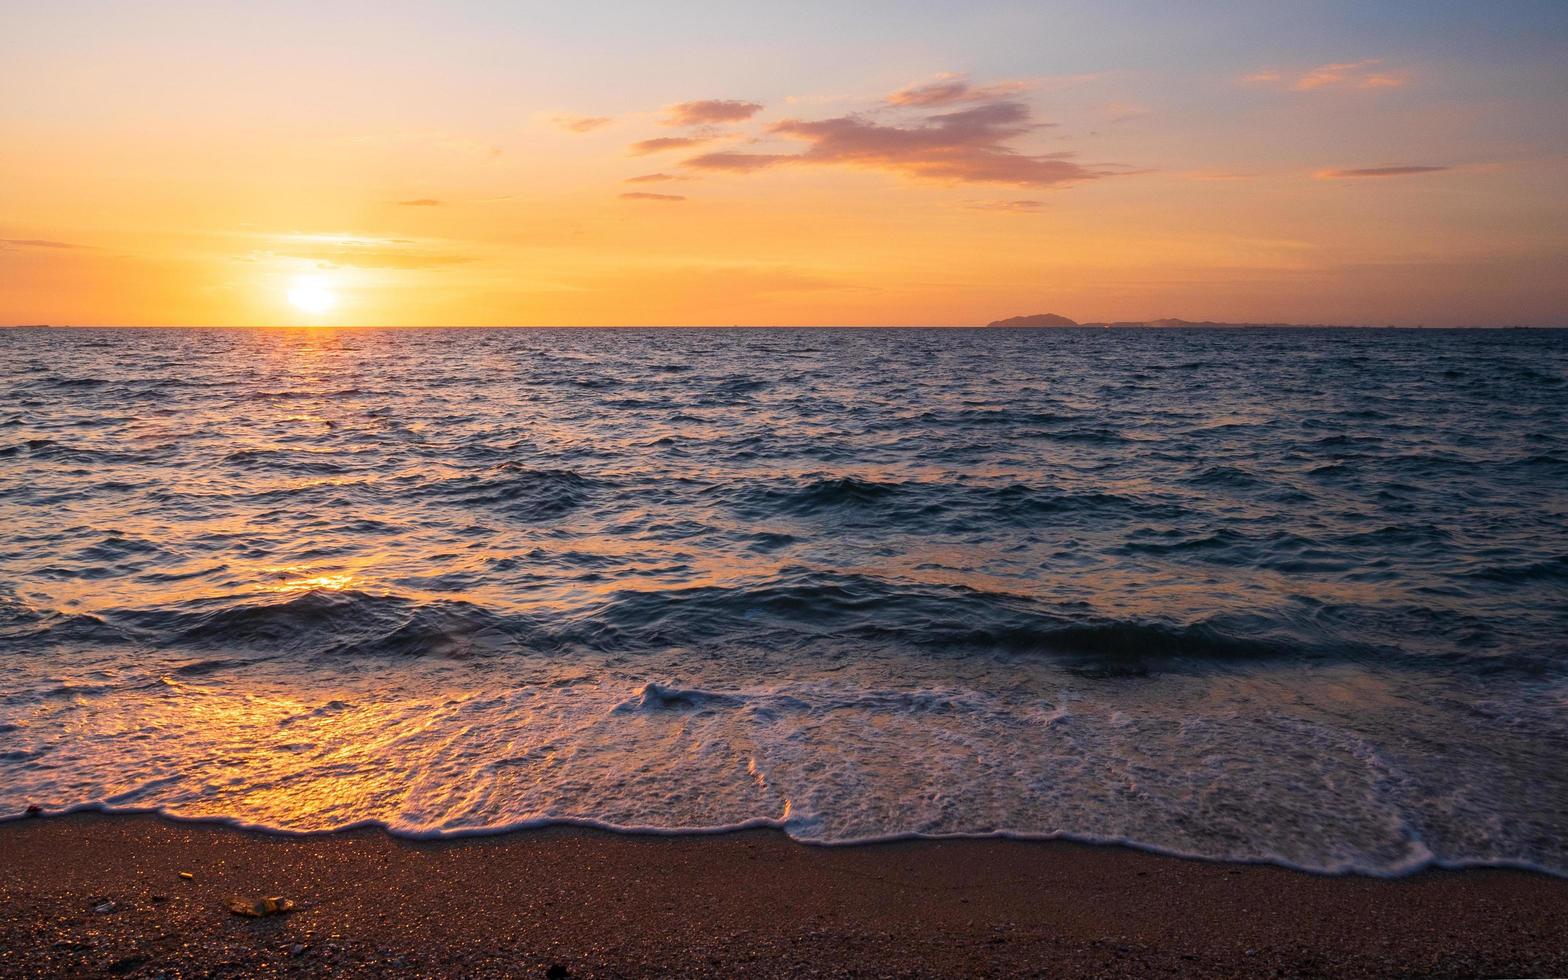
point(258, 908)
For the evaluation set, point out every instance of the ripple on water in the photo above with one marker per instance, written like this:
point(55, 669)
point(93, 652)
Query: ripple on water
point(1290, 596)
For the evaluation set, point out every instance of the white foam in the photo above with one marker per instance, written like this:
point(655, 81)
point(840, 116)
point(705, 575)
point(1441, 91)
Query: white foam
point(438, 751)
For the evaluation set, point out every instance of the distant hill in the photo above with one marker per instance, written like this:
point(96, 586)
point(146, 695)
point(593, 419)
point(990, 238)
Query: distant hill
point(1034, 320)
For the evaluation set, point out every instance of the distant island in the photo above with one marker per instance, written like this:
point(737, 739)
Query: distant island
point(1034, 320)
point(1052, 320)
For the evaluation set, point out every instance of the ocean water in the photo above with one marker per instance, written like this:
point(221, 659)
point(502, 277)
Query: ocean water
point(1292, 596)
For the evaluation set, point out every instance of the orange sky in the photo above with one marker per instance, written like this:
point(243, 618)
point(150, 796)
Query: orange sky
point(170, 163)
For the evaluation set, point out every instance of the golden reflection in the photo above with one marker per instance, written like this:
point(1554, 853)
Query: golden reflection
point(327, 582)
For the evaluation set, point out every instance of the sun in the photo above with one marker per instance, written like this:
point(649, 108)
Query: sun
point(312, 294)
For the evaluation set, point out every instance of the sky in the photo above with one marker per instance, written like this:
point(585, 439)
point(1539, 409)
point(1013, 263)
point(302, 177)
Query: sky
point(817, 163)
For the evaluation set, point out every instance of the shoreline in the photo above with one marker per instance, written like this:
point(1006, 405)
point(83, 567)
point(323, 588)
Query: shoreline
point(101, 894)
point(764, 825)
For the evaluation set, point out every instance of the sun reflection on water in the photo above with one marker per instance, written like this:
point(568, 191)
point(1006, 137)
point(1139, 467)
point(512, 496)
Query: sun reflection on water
point(322, 582)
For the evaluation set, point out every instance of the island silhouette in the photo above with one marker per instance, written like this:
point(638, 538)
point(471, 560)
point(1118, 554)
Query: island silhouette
point(1054, 320)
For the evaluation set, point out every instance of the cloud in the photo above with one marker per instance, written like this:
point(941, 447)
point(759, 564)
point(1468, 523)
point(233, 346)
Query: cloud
point(707, 112)
point(1364, 74)
point(965, 146)
point(648, 196)
point(37, 243)
point(1220, 175)
point(1378, 172)
point(1022, 206)
point(422, 202)
point(654, 178)
point(662, 143)
point(952, 88)
point(580, 124)
point(741, 162)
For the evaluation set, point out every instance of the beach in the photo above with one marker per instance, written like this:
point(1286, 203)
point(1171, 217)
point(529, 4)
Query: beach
point(93, 894)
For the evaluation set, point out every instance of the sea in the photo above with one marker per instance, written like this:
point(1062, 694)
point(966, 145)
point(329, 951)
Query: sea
point(1289, 596)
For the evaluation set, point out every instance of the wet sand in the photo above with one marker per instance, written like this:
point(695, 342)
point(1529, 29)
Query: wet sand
point(103, 895)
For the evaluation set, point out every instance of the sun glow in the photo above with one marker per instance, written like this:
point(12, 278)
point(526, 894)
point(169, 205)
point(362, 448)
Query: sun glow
point(312, 294)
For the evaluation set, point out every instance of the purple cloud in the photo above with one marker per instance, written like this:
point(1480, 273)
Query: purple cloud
point(707, 112)
point(580, 124)
point(1379, 172)
point(964, 146)
point(951, 89)
point(1365, 74)
point(662, 143)
point(1022, 206)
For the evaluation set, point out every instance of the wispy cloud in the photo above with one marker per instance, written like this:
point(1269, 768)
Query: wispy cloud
point(965, 146)
point(422, 202)
point(1378, 172)
point(37, 243)
point(1025, 206)
point(740, 162)
point(708, 112)
point(365, 253)
point(1368, 73)
point(650, 196)
point(661, 143)
point(952, 88)
point(580, 124)
point(1220, 175)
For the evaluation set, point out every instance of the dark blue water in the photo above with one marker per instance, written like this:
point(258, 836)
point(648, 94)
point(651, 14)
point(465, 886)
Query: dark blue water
point(1284, 595)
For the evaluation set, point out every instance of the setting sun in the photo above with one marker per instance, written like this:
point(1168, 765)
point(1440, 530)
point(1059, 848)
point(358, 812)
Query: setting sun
point(312, 294)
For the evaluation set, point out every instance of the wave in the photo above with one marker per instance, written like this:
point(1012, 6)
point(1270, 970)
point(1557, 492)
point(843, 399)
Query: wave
point(799, 609)
point(1553, 569)
point(658, 697)
point(522, 492)
point(333, 623)
point(1087, 580)
point(911, 501)
point(821, 494)
point(24, 627)
point(804, 608)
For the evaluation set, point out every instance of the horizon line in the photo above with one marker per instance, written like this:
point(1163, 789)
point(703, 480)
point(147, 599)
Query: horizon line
point(1085, 325)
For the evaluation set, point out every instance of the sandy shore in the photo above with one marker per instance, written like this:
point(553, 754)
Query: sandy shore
point(96, 895)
